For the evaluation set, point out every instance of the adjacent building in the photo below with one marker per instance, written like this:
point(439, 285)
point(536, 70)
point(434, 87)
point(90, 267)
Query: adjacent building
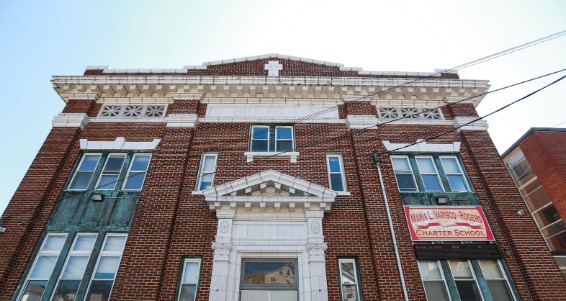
point(270, 178)
point(537, 163)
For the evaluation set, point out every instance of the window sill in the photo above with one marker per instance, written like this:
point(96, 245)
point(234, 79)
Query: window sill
point(197, 192)
point(293, 156)
point(343, 193)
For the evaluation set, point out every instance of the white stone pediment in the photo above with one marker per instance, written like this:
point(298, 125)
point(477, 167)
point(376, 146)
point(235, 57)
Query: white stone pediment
point(270, 190)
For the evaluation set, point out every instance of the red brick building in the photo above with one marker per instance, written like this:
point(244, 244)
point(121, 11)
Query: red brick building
point(537, 163)
point(270, 178)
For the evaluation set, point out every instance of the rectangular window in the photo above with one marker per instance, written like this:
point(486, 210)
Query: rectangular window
point(43, 266)
point(106, 267)
point(465, 279)
point(336, 172)
point(189, 280)
point(349, 281)
point(433, 280)
point(404, 174)
point(75, 267)
point(269, 279)
point(496, 279)
point(207, 171)
point(110, 171)
point(136, 174)
point(429, 173)
point(272, 138)
point(85, 171)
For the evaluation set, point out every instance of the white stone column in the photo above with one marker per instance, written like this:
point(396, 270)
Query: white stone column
point(316, 248)
point(222, 246)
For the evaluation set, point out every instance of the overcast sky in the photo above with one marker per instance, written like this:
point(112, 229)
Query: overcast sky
point(39, 39)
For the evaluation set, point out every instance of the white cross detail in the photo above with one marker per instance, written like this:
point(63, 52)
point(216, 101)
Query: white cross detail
point(273, 68)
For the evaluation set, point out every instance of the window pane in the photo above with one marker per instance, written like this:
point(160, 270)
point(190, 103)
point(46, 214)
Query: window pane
point(81, 181)
point(272, 273)
point(54, 243)
point(206, 182)
point(135, 180)
point(498, 290)
point(547, 215)
point(84, 243)
point(430, 270)
point(114, 163)
point(140, 163)
point(89, 162)
point(284, 133)
point(336, 182)
point(282, 295)
point(468, 291)
point(554, 229)
point(426, 165)
point(401, 164)
point(406, 182)
point(349, 293)
point(347, 273)
point(188, 292)
point(75, 268)
point(66, 290)
point(259, 146)
point(284, 146)
point(100, 291)
point(334, 164)
point(34, 290)
point(490, 269)
point(457, 183)
point(107, 182)
point(208, 165)
point(435, 291)
point(114, 243)
point(255, 295)
point(460, 269)
point(557, 242)
point(450, 165)
point(431, 183)
point(43, 267)
point(260, 133)
point(191, 272)
point(107, 267)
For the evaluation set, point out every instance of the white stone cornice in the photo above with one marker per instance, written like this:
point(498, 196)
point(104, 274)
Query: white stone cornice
point(362, 121)
point(119, 143)
point(464, 124)
point(182, 120)
point(71, 120)
point(134, 100)
point(187, 96)
point(422, 147)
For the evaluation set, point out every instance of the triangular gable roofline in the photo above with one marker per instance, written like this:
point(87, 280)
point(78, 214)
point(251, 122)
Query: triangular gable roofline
point(214, 192)
point(272, 55)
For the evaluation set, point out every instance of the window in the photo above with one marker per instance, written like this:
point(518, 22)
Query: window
point(429, 174)
point(272, 138)
point(269, 279)
point(207, 171)
point(43, 266)
point(349, 281)
point(336, 172)
point(111, 171)
point(189, 280)
point(75, 267)
point(106, 267)
point(449, 279)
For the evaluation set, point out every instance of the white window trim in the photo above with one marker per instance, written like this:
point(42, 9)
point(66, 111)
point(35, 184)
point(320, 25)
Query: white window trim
point(410, 168)
point(293, 156)
point(130, 169)
point(354, 263)
point(292, 137)
point(96, 187)
point(77, 171)
point(201, 167)
point(107, 253)
point(342, 171)
point(254, 138)
point(435, 169)
point(446, 290)
point(468, 189)
point(197, 260)
point(74, 253)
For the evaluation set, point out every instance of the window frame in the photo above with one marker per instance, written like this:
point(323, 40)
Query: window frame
point(201, 170)
point(268, 139)
point(437, 174)
point(342, 171)
point(101, 172)
point(277, 140)
point(442, 278)
point(244, 286)
point(358, 284)
point(462, 173)
point(272, 141)
point(182, 276)
point(474, 277)
point(76, 171)
point(505, 277)
point(102, 253)
point(412, 172)
point(131, 163)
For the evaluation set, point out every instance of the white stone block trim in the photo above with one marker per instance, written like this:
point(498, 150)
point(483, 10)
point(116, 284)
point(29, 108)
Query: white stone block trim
point(362, 121)
point(480, 125)
point(119, 144)
point(293, 156)
point(70, 120)
point(135, 100)
point(182, 120)
point(423, 147)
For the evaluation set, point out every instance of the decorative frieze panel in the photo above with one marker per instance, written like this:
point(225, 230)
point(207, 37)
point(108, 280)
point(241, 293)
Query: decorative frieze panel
point(271, 111)
point(132, 110)
point(420, 113)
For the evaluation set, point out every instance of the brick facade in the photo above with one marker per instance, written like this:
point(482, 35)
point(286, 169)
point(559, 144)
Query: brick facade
point(172, 223)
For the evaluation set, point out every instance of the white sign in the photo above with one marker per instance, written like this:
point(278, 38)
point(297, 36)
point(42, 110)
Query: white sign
point(271, 111)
